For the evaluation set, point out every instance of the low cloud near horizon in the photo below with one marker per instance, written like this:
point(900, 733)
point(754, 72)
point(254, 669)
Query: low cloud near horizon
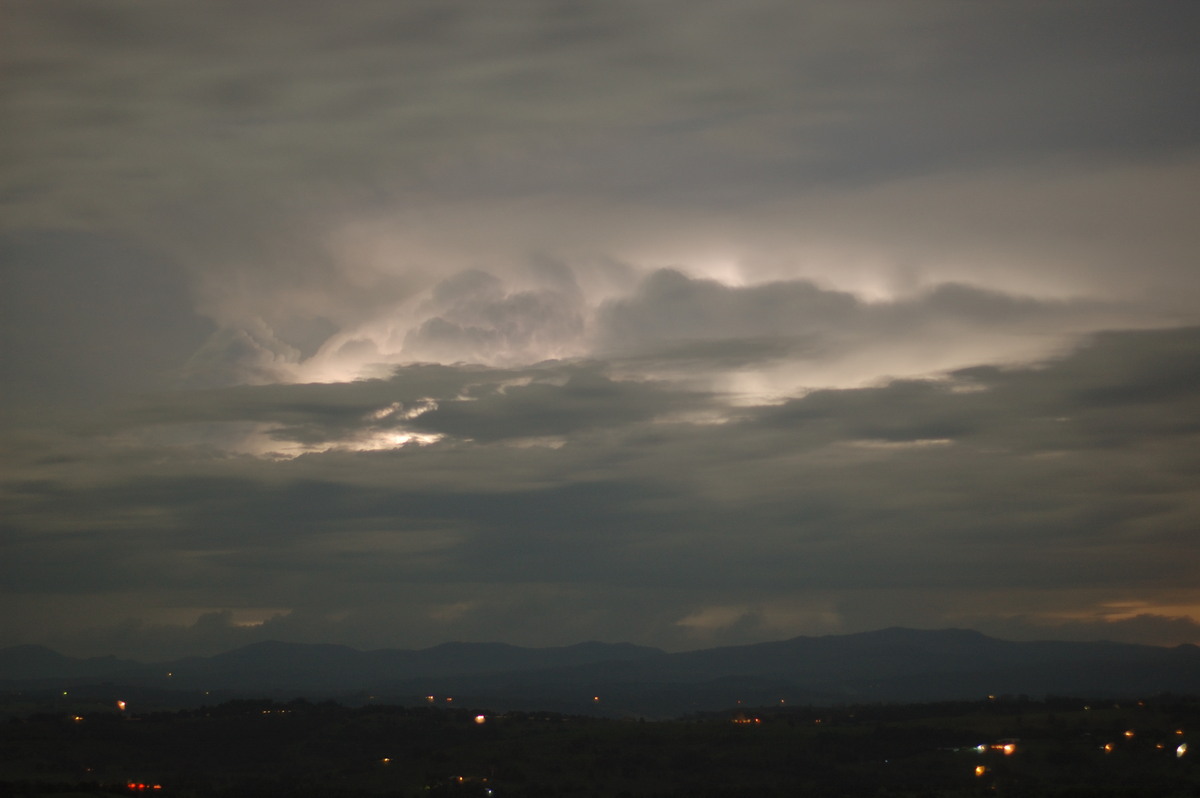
point(684, 324)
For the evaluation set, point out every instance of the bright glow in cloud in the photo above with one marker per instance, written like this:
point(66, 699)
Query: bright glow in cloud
point(545, 323)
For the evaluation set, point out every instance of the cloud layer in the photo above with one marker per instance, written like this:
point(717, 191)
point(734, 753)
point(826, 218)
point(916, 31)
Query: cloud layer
point(978, 493)
point(680, 323)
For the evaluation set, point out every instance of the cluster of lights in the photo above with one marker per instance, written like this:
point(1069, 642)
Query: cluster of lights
point(1129, 734)
point(467, 779)
point(137, 786)
point(1007, 748)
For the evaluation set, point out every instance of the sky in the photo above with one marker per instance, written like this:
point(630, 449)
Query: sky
point(684, 323)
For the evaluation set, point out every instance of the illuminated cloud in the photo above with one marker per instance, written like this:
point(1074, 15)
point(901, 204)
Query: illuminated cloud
point(681, 323)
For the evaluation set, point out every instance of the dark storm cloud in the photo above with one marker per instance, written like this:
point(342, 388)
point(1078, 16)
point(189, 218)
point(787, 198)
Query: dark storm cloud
point(476, 319)
point(475, 403)
point(74, 314)
point(238, 141)
point(586, 399)
point(669, 308)
point(682, 322)
point(698, 99)
point(984, 480)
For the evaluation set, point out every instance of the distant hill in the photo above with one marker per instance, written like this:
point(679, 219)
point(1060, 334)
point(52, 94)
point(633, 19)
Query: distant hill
point(887, 665)
point(31, 663)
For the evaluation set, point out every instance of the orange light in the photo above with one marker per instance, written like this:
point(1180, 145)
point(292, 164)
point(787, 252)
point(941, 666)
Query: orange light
point(1009, 749)
point(121, 705)
point(1108, 747)
point(481, 719)
point(980, 770)
point(1129, 733)
point(387, 760)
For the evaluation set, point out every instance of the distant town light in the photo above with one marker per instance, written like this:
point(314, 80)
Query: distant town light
point(481, 718)
point(1181, 750)
point(121, 706)
point(1129, 733)
point(980, 770)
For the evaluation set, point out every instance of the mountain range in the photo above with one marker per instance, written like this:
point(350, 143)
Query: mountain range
point(891, 665)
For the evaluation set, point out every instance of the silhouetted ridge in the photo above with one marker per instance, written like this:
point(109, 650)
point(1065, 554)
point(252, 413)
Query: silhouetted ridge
point(893, 664)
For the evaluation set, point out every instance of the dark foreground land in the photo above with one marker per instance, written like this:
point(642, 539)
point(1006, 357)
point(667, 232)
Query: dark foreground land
point(1057, 747)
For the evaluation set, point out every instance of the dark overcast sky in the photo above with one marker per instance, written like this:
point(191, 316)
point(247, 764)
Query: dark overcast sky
point(685, 323)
